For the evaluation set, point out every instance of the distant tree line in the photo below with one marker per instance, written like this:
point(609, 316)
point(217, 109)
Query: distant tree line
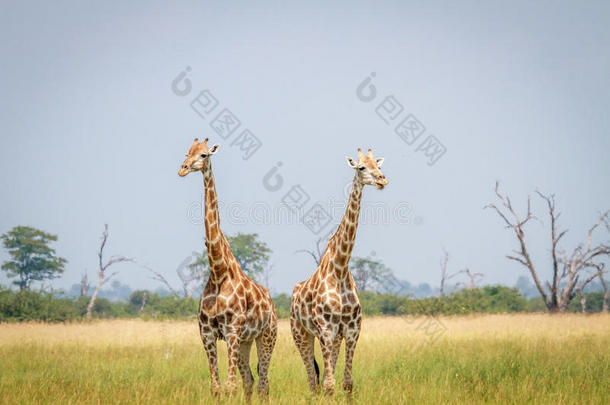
point(48, 306)
point(574, 275)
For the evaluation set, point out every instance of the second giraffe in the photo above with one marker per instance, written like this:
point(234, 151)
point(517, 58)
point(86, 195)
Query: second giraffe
point(326, 306)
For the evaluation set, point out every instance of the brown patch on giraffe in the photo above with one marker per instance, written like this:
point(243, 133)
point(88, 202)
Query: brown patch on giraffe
point(214, 249)
point(240, 290)
point(351, 298)
point(233, 301)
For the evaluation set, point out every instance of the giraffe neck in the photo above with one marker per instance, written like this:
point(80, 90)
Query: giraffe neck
point(214, 238)
point(343, 240)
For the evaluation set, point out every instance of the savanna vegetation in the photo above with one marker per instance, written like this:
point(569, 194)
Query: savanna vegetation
point(509, 358)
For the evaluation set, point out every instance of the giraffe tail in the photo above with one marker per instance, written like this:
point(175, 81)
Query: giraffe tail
point(315, 366)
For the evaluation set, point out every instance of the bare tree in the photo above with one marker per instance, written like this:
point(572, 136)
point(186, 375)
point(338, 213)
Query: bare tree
point(103, 277)
point(317, 252)
point(444, 261)
point(84, 285)
point(159, 277)
point(144, 295)
point(191, 275)
point(606, 299)
point(265, 276)
point(444, 274)
point(473, 278)
point(567, 270)
point(583, 303)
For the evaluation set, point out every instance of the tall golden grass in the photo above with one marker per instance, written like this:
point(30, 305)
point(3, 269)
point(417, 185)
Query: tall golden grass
point(524, 358)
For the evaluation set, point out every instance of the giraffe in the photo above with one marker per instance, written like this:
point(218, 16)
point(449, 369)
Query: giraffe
point(232, 306)
point(326, 306)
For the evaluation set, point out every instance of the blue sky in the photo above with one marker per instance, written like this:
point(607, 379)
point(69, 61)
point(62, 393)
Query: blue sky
point(91, 131)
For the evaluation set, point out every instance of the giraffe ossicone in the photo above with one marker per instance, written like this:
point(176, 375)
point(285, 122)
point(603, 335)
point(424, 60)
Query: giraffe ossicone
point(326, 306)
point(233, 307)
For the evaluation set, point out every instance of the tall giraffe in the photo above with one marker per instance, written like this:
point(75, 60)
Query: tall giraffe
point(326, 306)
point(232, 307)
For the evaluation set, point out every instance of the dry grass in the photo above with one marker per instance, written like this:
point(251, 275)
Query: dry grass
point(534, 358)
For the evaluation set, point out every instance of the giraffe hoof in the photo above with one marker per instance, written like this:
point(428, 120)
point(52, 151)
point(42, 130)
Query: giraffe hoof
point(329, 390)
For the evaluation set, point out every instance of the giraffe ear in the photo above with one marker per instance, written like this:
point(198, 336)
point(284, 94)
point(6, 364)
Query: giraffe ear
point(380, 162)
point(351, 162)
point(213, 149)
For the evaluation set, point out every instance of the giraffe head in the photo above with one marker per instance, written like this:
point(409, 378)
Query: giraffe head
point(367, 169)
point(196, 156)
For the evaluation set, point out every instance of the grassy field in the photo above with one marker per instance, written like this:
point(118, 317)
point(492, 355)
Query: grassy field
point(531, 358)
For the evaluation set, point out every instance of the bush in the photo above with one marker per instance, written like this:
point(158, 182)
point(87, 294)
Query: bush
point(381, 304)
point(145, 303)
point(282, 305)
point(488, 299)
point(26, 305)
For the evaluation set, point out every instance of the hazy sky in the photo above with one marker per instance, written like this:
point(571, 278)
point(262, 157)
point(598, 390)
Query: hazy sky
point(91, 131)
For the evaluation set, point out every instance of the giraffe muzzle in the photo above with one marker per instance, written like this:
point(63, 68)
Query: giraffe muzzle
point(381, 182)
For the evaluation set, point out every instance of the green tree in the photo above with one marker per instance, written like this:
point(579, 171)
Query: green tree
point(31, 257)
point(251, 253)
point(369, 274)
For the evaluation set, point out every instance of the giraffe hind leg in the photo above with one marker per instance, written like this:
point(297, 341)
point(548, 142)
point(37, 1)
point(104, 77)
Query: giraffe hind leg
point(264, 348)
point(305, 343)
point(209, 344)
point(317, 369)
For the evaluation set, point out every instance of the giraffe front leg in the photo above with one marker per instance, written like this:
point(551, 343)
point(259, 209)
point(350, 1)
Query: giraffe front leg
point(264, 349)
point(244, 368)
point(336, 348)
point(209, 344)
point(233, 346)
point(351, 338)
point(327, 339)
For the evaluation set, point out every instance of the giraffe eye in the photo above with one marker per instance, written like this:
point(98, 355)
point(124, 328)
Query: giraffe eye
point(204, 156)
point(361, 168)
